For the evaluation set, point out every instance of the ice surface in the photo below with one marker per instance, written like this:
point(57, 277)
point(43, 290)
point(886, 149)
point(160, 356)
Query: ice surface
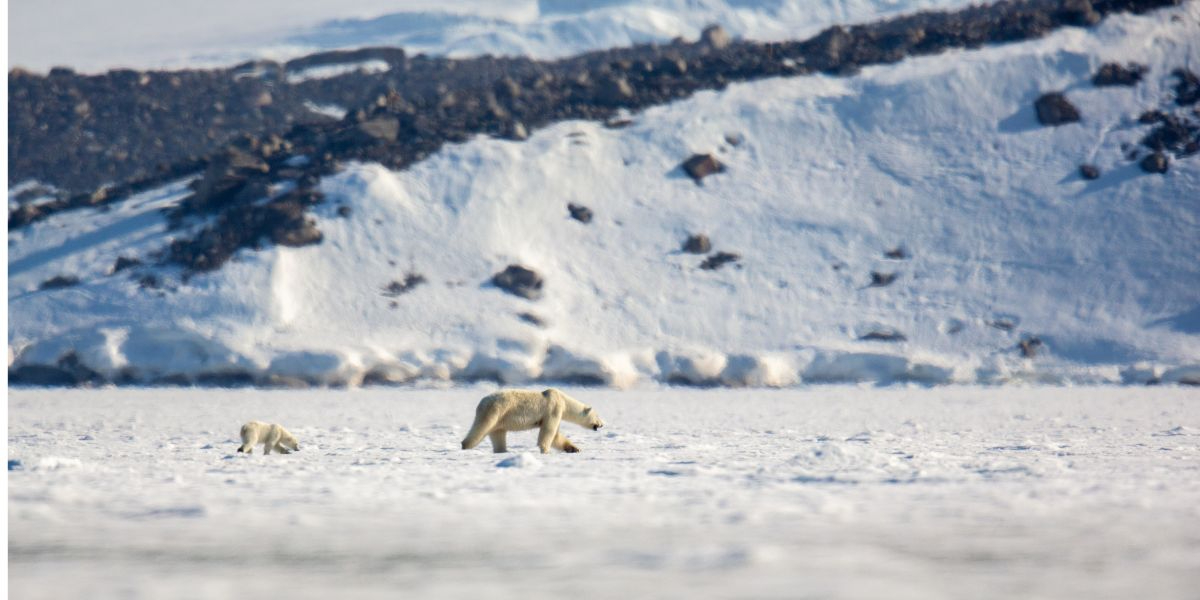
point(832, 492)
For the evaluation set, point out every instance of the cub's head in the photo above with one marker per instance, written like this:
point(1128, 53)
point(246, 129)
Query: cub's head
point(287, 440)
point(576, 411)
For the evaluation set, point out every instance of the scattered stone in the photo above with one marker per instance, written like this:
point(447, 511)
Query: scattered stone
point(124, 263)
point(897, 253)
point(697, 244)
point(1173, 134)
point(882, 279)
point(59, 282)
point(1115, 74)
point(1002, 324)
point(718, 260)
point(734, 139)
point(1155, 163)
point(519, 281)
point(580, 213)
point(1029, 346)
point(149, 282)
point(1151, 117)
point(614, 90)
point(397, 288)
point(344, 211)
point(715, 37)
point(15, 464)
point(883, 335)
point(1054, 109)
point(1187, 87)
point(618, 123)
point(700, 166)
point(381, 128)
point(532, 319)
point(1089, 172)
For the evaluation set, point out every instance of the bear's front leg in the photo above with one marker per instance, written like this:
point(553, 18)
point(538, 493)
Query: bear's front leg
point(562, 443)
point(280, 449)
point(499, 441)
point(548, 431)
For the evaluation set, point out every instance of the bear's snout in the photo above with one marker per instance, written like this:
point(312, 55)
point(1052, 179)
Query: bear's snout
point(596, 427)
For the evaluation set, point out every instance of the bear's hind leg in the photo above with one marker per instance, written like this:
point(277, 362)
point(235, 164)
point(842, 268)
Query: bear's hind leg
point(482, 426)
point(499, 441)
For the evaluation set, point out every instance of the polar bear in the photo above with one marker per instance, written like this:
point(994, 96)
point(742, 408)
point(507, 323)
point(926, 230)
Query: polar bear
point(518, 410)
point(270, 435)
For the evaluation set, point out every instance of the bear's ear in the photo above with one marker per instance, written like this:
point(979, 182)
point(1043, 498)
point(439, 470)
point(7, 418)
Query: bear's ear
point(587, 410)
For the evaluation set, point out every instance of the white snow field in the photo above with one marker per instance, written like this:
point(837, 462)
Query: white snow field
point(828, 492)
point(148, 34)
point(940, 156)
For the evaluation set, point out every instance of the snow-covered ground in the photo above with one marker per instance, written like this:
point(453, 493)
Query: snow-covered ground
point(940, 156)
point(93, 37)
point(832, 492)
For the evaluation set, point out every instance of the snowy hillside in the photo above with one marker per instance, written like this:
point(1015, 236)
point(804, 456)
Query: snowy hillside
point(999, 241)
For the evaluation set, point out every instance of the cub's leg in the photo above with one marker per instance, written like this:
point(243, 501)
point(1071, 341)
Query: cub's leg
point(562, 443)
point(482, 426)
point(499, 443)
point(272, 441)
point(548, 431)
point(248, 441)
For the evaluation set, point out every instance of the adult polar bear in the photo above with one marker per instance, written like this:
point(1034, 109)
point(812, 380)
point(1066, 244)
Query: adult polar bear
point(518, 410)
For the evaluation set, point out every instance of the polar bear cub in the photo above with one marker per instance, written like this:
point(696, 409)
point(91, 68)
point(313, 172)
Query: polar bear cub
point(518, 410)
point(270, 435)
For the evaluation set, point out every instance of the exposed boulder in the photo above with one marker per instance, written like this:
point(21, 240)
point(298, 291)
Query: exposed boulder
point(1054, 109)
point(718, 260)
point(1029, 346)
point(519, 281)
point(699, 166)
point(1089, 172)
point(580, 213)
point(697, 244)
point(883, 335)
point(715, 37)
point(1155, 163)
point(399, 288)
point(897, 253)
point(59, 282)
point(1115, 74)
point(882, 279)
point(1187, 87)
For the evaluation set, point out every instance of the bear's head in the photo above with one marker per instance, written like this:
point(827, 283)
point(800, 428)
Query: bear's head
point(576, 411)
point(287, 440)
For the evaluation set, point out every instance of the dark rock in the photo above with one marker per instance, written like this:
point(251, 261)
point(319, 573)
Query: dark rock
point(614, 90)
point(1155, 163)
point(1003, 324)
point(1029, 346)
point(519, 281)
point(397, 288)
point(532, 319)
point(59, 282)
point(1187, 87)
point(227, 379)
point(1172, 134)
point(699, 166)
point(381, 128)
point(15, 464)
point(1151, 117)
point(344, 211)
point(1089, 172)
point(715, 37)
point(734, 139)
point(697, 244)
point(1055, 109)
point(41, 375)
point(124, 263)
point(882, 279)
point(897, 253)
point(618, 123)
point(883, 335)
point(580, 213)
point(1115, 74)
point(149, 282)
point(718, 260)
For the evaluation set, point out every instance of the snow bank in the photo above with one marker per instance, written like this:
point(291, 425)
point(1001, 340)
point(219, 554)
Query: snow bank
point(1003, 243)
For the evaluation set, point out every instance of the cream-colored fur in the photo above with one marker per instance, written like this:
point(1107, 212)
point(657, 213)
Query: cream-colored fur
point(271, 436)
point(518, 410)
